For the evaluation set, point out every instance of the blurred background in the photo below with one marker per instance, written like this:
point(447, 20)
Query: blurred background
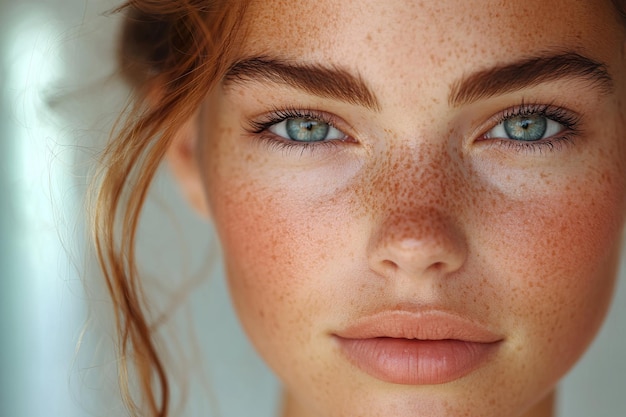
point(58, 98)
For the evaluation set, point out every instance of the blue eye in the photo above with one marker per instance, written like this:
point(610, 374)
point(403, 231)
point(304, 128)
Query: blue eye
point(306, 130)
point(525, 128)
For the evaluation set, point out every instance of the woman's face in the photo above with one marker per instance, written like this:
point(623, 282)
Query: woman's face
point(420, 203)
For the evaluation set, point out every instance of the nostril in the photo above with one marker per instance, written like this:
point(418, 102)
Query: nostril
point(390, 265)
point(425, 242)
point(437, 266)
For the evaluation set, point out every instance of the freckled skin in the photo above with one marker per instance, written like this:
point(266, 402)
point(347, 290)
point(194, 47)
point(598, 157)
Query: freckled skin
point(418, 211)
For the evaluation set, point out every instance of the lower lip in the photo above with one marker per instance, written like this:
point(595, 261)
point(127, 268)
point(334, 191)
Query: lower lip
point(416, 362)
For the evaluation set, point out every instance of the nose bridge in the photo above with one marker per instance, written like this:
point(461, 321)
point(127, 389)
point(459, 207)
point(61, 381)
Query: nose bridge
point(418, 227)
point(419, 178)
point(423, 229)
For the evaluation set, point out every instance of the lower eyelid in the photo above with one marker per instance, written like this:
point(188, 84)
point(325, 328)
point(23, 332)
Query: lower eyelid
point(553, 144)
point(290, 148)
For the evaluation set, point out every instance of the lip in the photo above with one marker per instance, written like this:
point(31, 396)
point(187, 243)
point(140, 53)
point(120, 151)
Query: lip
point(423, 348)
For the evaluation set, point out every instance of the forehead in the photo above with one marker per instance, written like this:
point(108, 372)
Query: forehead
point(419, 36)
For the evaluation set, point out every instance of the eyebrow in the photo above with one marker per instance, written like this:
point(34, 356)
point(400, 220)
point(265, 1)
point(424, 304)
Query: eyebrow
point(527, 73)
point(332, 82)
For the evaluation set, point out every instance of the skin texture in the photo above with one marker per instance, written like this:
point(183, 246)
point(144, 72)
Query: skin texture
point(417, 210)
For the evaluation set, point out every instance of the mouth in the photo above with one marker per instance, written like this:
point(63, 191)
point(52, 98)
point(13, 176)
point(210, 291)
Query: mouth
point(417, 349)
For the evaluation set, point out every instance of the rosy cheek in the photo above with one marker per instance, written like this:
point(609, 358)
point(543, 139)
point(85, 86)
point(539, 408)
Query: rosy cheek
point(273, 243)
point(553, 258)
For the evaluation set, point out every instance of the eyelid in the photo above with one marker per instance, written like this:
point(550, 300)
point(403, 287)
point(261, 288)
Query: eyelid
point(553, 128)
point(262, 123)
point(280, 129)
point(569, 119)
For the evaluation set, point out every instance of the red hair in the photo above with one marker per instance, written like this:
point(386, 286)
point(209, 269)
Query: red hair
point(180, 49)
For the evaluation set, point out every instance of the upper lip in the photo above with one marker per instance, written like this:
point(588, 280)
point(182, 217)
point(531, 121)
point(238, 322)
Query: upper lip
point(423, 325)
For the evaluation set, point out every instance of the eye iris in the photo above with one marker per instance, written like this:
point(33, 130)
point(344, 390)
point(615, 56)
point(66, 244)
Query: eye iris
point(306, 130)
point(526, 128)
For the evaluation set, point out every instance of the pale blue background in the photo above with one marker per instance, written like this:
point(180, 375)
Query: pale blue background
point(57, 101)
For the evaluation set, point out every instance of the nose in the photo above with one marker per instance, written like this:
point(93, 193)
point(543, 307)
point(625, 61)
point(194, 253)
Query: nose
point(420, 243)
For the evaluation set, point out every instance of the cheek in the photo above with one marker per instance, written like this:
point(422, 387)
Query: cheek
point(279, 231)
point(553, 260)
point(279, 244)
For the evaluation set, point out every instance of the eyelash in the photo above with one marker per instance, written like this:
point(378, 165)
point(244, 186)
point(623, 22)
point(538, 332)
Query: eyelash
point(566, 118)
point(260, 129)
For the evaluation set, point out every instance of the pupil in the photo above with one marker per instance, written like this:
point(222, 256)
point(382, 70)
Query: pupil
point(526, 128)
point(306, 130)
